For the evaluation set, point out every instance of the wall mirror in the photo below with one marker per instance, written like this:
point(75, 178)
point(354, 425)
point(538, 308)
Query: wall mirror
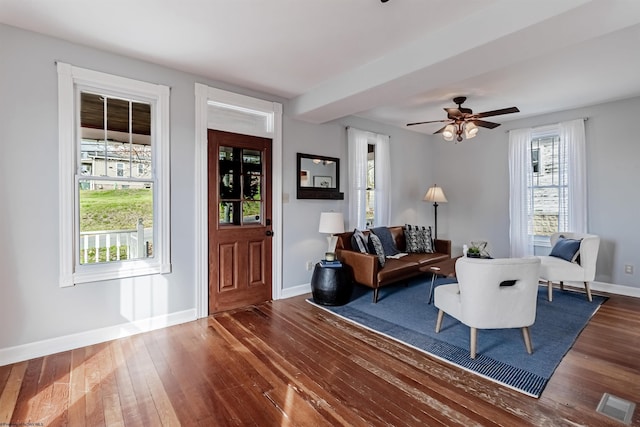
point(318, 177)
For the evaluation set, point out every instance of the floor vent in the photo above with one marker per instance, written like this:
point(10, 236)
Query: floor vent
point(616, 408)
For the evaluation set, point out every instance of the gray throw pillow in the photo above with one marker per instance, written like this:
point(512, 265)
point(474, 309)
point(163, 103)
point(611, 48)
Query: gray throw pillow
point(375, 248)
point(359, 241)
point(386, 239)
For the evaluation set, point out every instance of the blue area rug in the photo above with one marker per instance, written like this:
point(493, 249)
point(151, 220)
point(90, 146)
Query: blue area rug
point(402, 313)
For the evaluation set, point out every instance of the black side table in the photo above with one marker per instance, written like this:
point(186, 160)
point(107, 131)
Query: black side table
point(330, 285)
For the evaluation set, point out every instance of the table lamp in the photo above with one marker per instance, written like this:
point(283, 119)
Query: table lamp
point(331, 223)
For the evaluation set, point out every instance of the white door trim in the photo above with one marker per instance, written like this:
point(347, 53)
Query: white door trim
point(203, 95)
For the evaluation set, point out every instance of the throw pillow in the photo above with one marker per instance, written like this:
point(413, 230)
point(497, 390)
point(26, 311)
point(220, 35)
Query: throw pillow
point(359, 241)
point(426, 240)
point(375, 248)
point(411, 238)
point(566, 249)
point(388, 244)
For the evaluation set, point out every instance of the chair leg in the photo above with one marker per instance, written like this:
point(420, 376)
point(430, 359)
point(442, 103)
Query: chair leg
point(561, 285)
point(375, 295)
point(588, 289)
point(473, 339)
point(439, 321)
point(549, 290)
point(527, 339)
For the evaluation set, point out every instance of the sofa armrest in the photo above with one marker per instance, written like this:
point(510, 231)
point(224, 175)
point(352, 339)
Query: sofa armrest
point(362, 267)
point(443, 246)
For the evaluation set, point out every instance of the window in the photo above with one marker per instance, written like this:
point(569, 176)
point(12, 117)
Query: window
point(114, 170)
point(547, 172)
point(369, 179)
point(371, 185)
point(548, 187)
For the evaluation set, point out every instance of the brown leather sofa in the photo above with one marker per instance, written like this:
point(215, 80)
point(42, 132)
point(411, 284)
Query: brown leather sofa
point(365, 269)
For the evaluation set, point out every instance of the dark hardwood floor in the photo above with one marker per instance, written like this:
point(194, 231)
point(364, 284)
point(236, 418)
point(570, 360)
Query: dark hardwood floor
point(288, 363)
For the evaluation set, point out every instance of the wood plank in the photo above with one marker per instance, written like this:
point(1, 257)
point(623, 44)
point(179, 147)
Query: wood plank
point(11, 389)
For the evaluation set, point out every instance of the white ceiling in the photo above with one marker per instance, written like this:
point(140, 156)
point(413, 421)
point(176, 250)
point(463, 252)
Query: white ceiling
point(396, 62)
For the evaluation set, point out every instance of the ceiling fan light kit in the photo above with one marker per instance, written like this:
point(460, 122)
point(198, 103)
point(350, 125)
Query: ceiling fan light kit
point(461, 121)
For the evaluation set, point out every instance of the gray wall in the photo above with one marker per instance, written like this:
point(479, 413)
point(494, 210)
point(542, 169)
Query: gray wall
point(475, 177)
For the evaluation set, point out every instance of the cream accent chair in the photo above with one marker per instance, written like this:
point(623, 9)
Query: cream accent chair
point(554, 269)
point(491, 294)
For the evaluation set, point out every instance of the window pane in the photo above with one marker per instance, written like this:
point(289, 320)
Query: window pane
point(116, 220)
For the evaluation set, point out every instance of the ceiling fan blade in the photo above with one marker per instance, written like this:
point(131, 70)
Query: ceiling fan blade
point(485, 124)
point(497, 112)
point(440, 130)
point(432, 121)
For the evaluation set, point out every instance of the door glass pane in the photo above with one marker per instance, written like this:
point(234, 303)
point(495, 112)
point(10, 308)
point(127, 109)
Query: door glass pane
point(229, 169)
point(240, 172)
point(251, 212)
point(228, 211)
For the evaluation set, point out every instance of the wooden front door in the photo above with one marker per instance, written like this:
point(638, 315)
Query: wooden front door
point(240, 252)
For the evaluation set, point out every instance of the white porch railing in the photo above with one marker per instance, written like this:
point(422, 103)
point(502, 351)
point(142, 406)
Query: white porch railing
point(136, 243)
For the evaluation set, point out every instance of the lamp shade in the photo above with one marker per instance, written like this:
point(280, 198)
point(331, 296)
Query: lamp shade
point(449, 132)
point(435, 194)
point(470, 130)
point(331, 223)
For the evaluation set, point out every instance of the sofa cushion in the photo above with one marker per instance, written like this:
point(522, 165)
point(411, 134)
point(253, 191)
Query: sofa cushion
point(388, 244)
point(359, 241)
point(375, 248)
point(566, 249)
point(424, 258)
point(397, 269)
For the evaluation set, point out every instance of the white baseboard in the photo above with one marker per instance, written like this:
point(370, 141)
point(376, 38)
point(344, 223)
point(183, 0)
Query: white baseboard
point(69, 342)
point(616, 289)
point(294, 291)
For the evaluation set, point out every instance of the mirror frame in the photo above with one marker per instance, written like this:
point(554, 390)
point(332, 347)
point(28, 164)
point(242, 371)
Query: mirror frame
point(318, 192)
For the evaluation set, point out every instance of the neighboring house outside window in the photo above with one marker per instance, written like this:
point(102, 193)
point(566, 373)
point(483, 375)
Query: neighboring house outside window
point(114, 168)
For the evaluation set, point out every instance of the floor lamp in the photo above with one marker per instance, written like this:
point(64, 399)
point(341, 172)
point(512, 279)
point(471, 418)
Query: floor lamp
point(435, 195)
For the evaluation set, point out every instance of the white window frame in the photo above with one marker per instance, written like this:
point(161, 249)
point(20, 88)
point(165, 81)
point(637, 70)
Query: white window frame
point(71, 80)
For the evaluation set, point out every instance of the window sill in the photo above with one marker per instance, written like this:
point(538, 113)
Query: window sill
point(98, 273)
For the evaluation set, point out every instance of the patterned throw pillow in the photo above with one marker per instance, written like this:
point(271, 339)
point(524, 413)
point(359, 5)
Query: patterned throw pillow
point(427, 240)
point(418, 239)
point(411, 238)
point(359, 241)
point(375, 248)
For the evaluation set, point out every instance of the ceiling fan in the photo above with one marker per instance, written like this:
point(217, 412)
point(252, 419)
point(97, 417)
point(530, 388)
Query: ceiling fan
point(461, 120)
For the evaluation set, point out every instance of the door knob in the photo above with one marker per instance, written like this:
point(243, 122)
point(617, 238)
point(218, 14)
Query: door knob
point(269, 233)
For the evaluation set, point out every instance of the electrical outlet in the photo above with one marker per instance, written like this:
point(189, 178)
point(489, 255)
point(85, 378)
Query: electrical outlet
point(628, 269)
point(309, 265)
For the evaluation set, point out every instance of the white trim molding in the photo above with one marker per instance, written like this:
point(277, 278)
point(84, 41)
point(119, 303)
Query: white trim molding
point(71, 81)
point(206, 97)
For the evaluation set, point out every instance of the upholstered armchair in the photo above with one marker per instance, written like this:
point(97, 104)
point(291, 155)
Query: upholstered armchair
point(491, 294)
point(579, 267)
